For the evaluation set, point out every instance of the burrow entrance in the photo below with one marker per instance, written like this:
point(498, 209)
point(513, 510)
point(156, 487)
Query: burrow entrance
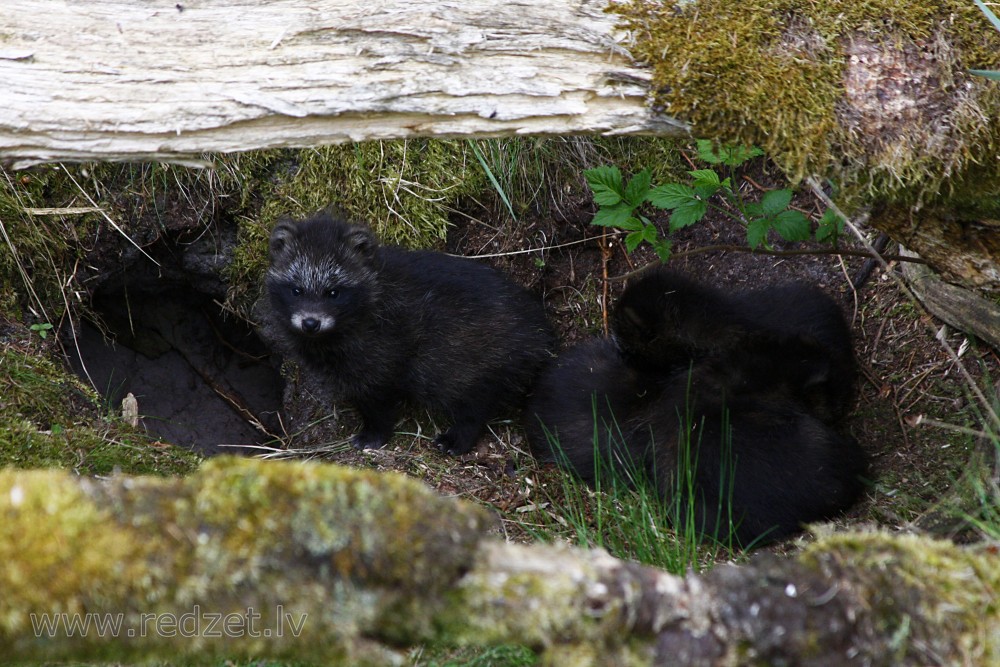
point(201, 377)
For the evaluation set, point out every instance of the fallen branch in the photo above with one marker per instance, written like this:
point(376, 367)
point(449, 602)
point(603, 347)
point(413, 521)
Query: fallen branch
point(168, 82)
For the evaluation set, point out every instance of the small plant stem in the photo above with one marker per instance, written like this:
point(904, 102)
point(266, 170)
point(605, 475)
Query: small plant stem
point(754, 183)
point(605, 251)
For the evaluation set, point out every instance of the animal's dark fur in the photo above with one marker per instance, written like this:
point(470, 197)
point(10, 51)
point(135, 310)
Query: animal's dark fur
point(385, 326)
point(681, 373)
point(665, 321)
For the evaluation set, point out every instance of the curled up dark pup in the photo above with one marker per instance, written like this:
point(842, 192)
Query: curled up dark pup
point(731, 404)
point(386, 326)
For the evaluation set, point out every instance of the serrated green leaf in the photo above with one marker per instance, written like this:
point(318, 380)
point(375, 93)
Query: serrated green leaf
point(670, 195)
point(753, 210)
point(650, 233)
point(613, 216)
point(632, 224)
point(663, 249)
point(704, 177)
point(606, 184)
point(687, 214)
point(733, 155)
point(705, 191)
point(792, 225)
point(632, 241)
point(757, 232)
point(638, 188)
point(775, 202)
point(831, 226)
point(706, 152)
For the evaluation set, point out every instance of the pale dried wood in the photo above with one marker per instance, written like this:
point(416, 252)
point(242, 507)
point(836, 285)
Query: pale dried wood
point(125, 80)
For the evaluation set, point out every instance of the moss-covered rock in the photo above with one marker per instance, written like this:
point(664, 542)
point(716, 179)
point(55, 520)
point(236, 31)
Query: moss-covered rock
point(935, 602)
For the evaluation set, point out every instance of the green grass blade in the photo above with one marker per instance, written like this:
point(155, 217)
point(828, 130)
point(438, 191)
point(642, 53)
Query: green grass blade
point(988, 73)
point(989, 13)
point(489, 174)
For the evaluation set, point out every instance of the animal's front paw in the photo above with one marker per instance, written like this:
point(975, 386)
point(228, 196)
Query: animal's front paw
point(449, 444)
point(369, 440)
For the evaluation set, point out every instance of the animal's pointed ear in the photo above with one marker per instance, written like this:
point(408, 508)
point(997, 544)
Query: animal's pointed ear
point(281, 236)
point(361, 240)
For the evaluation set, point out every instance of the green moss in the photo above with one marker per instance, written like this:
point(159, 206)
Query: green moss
point(339, 549)
point(933, 598)
point(36, 251)
point(51, 520)
point(49, 418)
point(772, 73)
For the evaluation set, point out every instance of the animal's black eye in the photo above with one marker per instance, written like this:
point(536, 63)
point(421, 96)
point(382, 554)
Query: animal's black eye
point(296, 291)
point(332, 293)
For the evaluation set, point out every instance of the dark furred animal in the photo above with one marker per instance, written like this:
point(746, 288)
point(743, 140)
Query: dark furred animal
point(385, 326)
point(664, 321)
point(745, 398)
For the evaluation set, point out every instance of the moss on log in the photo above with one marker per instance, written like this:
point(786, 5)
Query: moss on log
point(322, 563)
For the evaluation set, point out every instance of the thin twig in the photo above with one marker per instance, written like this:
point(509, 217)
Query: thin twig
point(605, 252)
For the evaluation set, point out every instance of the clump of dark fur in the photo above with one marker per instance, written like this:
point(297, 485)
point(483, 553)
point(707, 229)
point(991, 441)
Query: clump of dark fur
point(385, 326)
point(746, 391)
point(665, 321)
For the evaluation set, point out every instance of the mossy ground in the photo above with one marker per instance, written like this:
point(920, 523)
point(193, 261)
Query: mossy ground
point(51, 418)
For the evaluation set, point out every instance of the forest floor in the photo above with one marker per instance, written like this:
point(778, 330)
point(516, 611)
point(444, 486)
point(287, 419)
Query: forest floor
point(920, 473)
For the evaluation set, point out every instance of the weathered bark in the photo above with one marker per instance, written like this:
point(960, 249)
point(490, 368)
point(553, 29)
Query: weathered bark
point(965, 250)
point(960, 307)
point(120, 80)
point(352, 566)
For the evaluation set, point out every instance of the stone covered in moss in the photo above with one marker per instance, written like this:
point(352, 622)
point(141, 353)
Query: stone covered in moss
point(933, 600)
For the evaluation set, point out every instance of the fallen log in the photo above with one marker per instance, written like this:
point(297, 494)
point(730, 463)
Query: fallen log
point(319, 562)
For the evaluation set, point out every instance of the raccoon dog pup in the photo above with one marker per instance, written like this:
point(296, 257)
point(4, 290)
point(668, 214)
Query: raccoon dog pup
point(665, 321)
point(384, 326)
point(744, 399)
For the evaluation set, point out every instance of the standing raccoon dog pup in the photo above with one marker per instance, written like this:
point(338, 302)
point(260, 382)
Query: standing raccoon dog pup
point(384, 326)
point(728, 404)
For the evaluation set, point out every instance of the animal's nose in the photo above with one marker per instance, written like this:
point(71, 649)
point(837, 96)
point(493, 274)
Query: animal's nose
point(310, 325)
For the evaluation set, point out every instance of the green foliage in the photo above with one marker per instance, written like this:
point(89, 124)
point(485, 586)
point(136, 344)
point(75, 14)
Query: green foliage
point(731, 155)
point(42, 329)
point(620, 203)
